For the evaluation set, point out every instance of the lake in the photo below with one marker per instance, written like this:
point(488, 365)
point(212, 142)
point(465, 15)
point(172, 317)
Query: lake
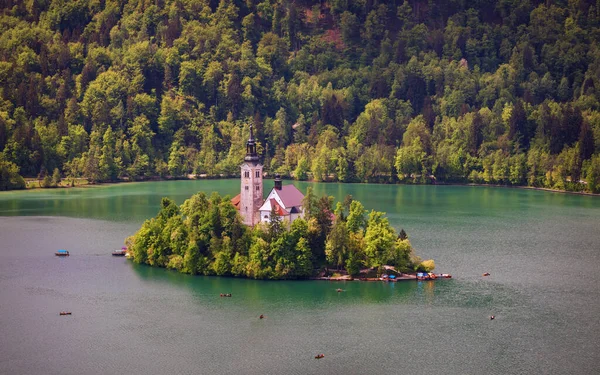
point(542, 250)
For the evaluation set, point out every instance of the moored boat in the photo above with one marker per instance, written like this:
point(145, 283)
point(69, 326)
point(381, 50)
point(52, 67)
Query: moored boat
point(62, 253)
point(65, 313)
point(432, 276)
point(120, 253)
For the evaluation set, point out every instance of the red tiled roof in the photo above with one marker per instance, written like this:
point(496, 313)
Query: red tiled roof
point(278, 209)
point(290, 196)
point(236, 201)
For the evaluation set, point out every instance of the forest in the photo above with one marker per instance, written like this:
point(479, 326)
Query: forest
point(498, 92)
point(206, 235)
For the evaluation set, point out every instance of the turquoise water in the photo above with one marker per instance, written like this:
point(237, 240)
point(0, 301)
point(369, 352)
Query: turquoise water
point(542, 250)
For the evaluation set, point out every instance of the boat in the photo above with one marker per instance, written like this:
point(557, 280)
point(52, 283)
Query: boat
point(319, 356)
point(486, 274)
point(432, 276)
point(120, 253)
point(65, 313)
point(62, 253)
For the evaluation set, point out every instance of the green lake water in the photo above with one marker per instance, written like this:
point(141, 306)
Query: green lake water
point(542, 250)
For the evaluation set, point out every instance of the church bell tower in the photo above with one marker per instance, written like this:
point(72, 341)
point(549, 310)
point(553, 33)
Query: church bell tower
point(251, 195)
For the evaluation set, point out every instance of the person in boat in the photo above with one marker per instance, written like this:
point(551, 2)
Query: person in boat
point(486, 274)
point(492, 317)
point(319, 356)
point(339, 290)
point(261, 316)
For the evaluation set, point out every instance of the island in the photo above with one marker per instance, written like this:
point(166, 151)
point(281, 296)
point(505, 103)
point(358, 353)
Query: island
point(288, 235)
point(206, 235)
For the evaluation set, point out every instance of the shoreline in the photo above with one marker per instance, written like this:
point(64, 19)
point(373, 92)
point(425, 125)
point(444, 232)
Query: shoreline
point(32, 181)
point(513, 187)
point(405, 277)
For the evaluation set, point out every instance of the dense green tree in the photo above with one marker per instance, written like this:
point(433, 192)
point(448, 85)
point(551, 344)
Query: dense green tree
point(356, 220)
point(379, 240)
point(349, 28)
point(336, 247)
point(410, 159)
point(107, 165)
point(9, 176)
point(586, 141)
point(56, 177)
point(343, 82)
point(593, 174)
point(519, 129)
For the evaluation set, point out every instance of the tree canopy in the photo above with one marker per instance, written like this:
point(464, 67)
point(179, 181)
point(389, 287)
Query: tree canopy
point(498, 92)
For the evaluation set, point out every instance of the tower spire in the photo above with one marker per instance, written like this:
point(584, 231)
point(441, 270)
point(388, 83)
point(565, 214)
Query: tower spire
point(251, 154)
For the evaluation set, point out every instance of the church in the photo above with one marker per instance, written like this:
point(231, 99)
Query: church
point(286, 200)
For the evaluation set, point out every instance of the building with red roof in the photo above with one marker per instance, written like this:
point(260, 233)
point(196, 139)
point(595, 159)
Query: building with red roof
point(287, 200)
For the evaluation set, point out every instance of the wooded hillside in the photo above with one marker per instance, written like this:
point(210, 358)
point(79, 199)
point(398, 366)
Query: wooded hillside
point(487, 91)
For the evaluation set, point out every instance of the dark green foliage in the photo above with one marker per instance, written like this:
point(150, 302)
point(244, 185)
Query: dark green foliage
point(56, 178)
point(586, 141)
point(47, 181)
point(519, 129)
point(402, 235)
point(114, 90)
point(9, 176)
point(593, 174)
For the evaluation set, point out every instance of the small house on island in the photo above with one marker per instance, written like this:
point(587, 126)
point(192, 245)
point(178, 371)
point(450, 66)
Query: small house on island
point(285, 199)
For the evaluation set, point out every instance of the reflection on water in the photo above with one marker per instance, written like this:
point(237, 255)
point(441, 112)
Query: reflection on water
point(446, 293)
point(299, 294)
